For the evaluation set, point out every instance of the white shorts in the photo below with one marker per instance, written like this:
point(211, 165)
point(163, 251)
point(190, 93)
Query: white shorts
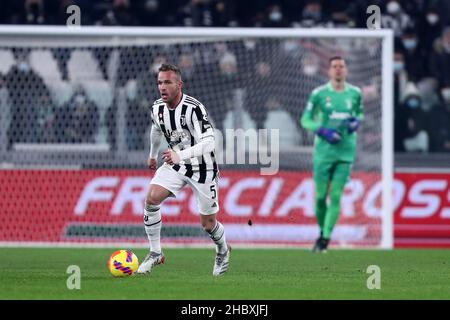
point(207, 193)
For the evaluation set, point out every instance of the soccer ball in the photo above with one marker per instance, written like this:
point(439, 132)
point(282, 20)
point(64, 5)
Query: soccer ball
point(123, 263)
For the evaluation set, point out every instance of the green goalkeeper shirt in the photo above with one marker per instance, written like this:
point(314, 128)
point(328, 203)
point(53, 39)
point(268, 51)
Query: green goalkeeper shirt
point(330, 109)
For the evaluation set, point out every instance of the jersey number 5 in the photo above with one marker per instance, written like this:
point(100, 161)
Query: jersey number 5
point(213, 190)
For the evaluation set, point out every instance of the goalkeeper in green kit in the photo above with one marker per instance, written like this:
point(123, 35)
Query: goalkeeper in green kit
point(334, 113)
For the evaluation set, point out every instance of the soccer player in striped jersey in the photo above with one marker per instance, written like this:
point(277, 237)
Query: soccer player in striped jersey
point(183, 121)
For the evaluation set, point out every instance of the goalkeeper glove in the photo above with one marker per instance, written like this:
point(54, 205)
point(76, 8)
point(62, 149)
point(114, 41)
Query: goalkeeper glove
point(332, 136)
point(352, 124)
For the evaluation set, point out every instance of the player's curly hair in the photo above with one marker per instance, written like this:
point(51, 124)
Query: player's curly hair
point(170, 67)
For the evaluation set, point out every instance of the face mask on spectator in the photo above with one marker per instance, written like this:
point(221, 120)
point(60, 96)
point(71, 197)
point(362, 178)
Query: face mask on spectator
point(80, 99)
point(24, 67)
point(249, 44)
point(275, 16)
point(413, 103)
point(410, 44)
point(432, 18)
point(155, 67)
point(291, 45)
point(311, 14)
point(446, 94)
point(398, 66)
point(310, 70)
point(393, 7)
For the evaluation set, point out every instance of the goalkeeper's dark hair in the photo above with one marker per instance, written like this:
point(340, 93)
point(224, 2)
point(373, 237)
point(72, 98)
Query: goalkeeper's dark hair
point(334, 58)
point(170, 67)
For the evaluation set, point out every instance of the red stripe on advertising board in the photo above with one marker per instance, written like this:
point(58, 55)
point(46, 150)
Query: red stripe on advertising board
point(36, 205)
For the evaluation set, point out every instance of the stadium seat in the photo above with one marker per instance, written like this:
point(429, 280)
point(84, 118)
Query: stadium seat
point(83, 66)
point(282, 120)
point(61, 91)
point(43, 62)
point(6, 61)
point(418, 143)
point(100, 92)
point(247, 121)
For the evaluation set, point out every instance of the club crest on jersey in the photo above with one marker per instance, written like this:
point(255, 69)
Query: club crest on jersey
point(183, 120)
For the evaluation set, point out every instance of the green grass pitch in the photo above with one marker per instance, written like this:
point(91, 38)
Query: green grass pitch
point(287, 274)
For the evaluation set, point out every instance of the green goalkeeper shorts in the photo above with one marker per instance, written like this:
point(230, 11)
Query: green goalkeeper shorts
point(336, 171)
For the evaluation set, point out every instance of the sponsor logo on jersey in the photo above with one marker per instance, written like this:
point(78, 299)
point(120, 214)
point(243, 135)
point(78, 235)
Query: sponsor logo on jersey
point(339, 115)
point(178, 135)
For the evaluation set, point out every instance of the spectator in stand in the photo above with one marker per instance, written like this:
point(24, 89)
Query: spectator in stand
point(223, 14)
point(195, 13)
point(227, 79)
point(395, 18)
point(340, 13)
point(78, 119)
point(409, 128)
point(442, 124)
point(120, 14)
point(444, 9)
point(413, 54)
point(137, 114)
point(191, 76)
point(430, 29)
point(400, 77)
point(45, 125)
point(435, 116)
point(150, 13)
point(275, 18)
point(261, 93)
point(33, 12)
point(146, 88)
point(312, 15)
point(440, 59)
point(25, 88)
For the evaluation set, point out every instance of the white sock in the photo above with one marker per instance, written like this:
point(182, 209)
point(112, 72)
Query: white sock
point(217, 234)
point(153, 222)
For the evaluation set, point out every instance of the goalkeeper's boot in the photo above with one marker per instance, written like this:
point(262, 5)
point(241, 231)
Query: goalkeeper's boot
point(316, 247)
point(151, 260)
point(323, 246)
point(221, 262)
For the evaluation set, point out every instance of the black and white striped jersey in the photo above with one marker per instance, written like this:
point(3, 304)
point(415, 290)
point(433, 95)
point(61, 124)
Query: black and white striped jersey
point(183, 127)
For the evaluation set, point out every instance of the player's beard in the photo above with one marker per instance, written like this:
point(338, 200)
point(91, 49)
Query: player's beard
point(171, 100)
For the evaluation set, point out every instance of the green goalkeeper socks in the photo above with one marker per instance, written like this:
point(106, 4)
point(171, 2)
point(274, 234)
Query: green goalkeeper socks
point(321, 203)
point(332, 214)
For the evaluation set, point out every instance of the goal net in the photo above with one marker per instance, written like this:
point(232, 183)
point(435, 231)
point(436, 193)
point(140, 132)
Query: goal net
point(75, 123)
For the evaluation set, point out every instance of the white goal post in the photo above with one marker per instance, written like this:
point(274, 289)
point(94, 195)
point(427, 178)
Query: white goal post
point(90, 36)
